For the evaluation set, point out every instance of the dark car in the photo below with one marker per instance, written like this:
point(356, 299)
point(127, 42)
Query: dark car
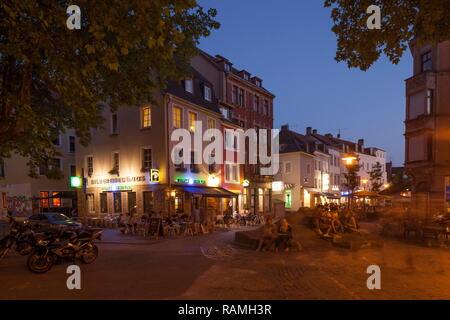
point(50, 220)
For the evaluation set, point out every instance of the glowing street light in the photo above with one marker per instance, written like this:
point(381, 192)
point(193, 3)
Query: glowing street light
point(349, 160)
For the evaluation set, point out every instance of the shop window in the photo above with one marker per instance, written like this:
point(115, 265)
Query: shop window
point(179, 203)
point(117, 198)
point(44, 202)
point(148, 201)
point(104, 202)
point(56, 202)
point(288, 198)
point(90, 203)
point(132, 202)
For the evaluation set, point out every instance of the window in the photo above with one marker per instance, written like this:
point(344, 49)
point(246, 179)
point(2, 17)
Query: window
point(43, 169)
point(194, 165)
point(71, 144)
point(192, 118)
point(2, 169)
point(146, 117)
point(230, 140)
point(232, 172)
point(226, 113)
point(256, 103)
point(73, 170)
point(180, 153)
point(212, 164)
point(227, 67)
point(417, 105)
point(207, 93)
point(308, 169)
point(90, 203)
point(56, 202)
point(211, 123)
point(117, 198)
point(234, 95)
point(103, 202)
point(146, 158)
point(56, 163)
point(258, 83)
point(287, 167)
point(266, 107)
point(427, 63)
point(148, 201)
point(177, 117)
point(44, 202)
point(116, 161)
point(429, 101)
point(189, 85)
point(241, 97)
point(57, 141)
point(4, 200)
point(90, 165)
point(114, 124)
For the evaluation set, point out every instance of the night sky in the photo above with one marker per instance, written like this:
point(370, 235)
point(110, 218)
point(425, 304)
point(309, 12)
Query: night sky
point(290, 45)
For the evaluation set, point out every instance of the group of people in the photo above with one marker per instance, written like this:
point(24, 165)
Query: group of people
point(332, 219)
point(130, 223)
point(277, 237)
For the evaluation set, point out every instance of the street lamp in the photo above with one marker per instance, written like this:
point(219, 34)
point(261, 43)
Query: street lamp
point(349, 161)
point(364, 182)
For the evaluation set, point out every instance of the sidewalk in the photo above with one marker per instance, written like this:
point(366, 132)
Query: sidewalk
point(114, 236)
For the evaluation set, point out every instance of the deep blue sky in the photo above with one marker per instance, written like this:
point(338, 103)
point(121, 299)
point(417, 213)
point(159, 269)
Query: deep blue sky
point(290, 45)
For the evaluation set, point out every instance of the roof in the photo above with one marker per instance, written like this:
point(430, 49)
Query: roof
point(234, 71)
point(199, 81)
point(291, 141)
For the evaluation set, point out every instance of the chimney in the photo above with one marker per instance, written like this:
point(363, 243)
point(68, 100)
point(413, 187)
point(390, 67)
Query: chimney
point(315, 131)
point(308, 131)
point(361, 144)
point(329, 135)
point(285, 127)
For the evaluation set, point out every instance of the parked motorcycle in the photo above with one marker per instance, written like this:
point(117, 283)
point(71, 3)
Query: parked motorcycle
point(20, 235)
point(78, 246)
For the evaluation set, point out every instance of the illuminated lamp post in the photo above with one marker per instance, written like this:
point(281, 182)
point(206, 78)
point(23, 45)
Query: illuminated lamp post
point(349, 161)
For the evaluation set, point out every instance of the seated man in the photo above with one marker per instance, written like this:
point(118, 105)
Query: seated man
point(349, 222)
point(268, 237)
point(284, 237)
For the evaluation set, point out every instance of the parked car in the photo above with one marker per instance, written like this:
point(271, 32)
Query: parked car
point(51, 220)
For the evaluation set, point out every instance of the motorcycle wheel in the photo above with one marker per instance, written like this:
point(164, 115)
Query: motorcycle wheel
point(37, 263)
point(89, 253)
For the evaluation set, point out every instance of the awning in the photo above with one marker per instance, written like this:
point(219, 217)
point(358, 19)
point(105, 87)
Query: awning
point(331, 195)
point(209, 192)
point(289, 186)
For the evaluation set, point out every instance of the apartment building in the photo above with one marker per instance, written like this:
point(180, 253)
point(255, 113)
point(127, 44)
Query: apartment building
point(244, 101)
point(427, 127)
point(131, 166)
point(312, 170)
point(23, 195)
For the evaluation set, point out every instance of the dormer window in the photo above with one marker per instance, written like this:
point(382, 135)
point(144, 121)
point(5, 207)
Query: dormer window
point(227, 67)
point(258, 83)
point(189, 85)
point(246, 77)
point(207, 93)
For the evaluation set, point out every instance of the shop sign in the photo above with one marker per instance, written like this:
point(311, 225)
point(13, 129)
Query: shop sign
point(190, 181)
point(131, 179)
point(154, 175)
point(117, 188)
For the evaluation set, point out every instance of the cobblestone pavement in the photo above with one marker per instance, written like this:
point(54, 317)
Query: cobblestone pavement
point(212, 267)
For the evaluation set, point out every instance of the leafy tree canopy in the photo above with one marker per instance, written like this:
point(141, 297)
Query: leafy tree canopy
point(53, 78)
point(401, 21)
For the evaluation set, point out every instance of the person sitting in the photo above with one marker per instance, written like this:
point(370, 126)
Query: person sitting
point(349, 222)
point(284, 236)
point(269, 235)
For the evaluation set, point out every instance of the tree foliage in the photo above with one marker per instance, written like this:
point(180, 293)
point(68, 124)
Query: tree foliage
point(351, 176)
point(375, 177)
point(427, 21)
point(53, 78)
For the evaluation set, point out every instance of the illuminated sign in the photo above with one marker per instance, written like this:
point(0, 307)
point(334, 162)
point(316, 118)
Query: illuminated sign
point(288, 198)
point(117, 188)
point(154, 175)
point(190, 180)
point(277, 186)
point(76, 182)
point(245, 183)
